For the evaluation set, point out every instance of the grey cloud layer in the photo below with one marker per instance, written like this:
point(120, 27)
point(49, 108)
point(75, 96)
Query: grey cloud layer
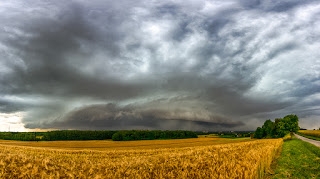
point(212, 64)
point(113, 117)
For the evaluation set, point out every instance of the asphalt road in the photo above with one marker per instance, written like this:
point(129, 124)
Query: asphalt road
point(314, 142)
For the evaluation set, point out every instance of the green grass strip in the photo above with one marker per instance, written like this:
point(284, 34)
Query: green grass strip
point(298, 159)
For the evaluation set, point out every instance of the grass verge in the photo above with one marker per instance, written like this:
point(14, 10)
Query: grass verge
point(309, 137)
point(298, 159)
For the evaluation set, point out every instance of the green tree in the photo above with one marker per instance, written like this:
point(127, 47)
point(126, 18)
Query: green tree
point(258, 133)
point(279, 128)
point(268, 129)
point(292, 122)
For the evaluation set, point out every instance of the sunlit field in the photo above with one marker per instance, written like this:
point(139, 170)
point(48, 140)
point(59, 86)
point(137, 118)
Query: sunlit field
point(314, 133)
point(184, 158)
point(121, 145)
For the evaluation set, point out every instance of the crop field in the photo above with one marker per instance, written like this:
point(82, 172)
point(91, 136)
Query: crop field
point(314, 133)
point(200, 158)
point(123, 145)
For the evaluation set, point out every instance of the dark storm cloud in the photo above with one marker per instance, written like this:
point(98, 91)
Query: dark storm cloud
point(158, 65)
point(272, 5)
point(114, 117)
point(7, 106)
point(306, 87)
point(48, 68)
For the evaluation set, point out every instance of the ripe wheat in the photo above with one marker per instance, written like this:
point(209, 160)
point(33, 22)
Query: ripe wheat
point(315, 133)
point(123, 145)
point(235, 160)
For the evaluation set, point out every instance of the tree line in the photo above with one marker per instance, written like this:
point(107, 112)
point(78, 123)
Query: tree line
point(23, 136)
point(96, 135)
point(77, 135)
point(227, 134)
point(57, 135)
point(279, 128)
point(151, 135)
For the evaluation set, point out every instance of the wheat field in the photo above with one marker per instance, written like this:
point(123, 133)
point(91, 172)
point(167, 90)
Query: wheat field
point(123, 145)
point(239, 159)
point(315, 133)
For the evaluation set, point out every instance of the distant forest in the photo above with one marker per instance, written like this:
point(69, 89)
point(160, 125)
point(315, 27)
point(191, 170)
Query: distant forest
point(97, 135)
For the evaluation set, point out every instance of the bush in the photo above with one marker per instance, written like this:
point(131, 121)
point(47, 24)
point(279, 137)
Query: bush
point(117, 137)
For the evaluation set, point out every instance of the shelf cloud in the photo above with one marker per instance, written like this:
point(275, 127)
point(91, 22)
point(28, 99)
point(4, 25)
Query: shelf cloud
point(189, 65)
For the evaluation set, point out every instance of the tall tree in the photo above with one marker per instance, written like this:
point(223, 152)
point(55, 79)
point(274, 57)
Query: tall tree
point(268, 129)
point(258, 133)
point(292, 123)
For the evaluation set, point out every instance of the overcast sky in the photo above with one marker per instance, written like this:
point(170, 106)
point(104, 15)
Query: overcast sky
point(183, 64)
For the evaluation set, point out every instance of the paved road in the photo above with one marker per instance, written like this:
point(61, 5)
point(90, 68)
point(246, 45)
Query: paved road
point(314, 142)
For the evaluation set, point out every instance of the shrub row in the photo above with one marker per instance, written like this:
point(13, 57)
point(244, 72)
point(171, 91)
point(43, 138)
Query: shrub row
point(78, 135)
point(24, 136)
point(96, 135)
point(57, 135)
point(151, 135)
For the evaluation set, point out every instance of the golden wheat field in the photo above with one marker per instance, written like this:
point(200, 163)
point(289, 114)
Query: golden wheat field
point(123, 145)
point(315, 133)
point(231, 159)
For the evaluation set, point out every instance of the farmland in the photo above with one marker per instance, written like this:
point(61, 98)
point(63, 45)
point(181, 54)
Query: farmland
point(179, 158)
point(121, 145)
point(312, 134)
